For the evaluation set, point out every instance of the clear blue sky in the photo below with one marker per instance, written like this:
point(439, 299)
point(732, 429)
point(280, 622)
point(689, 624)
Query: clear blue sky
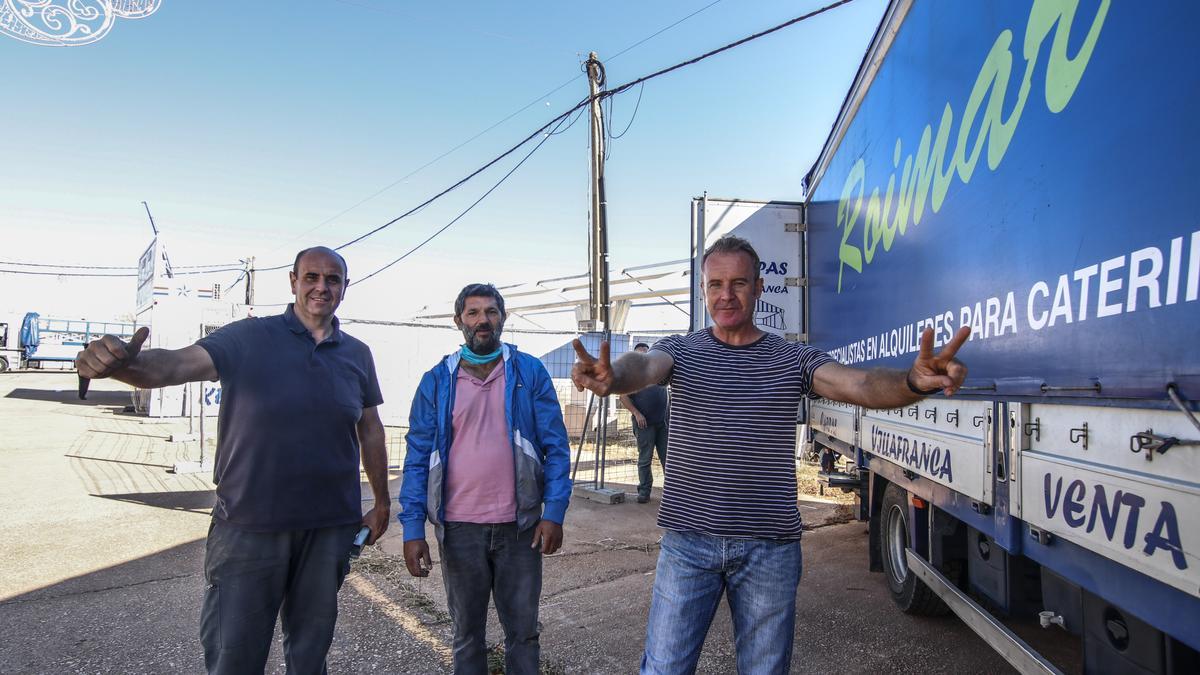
point(246, 125)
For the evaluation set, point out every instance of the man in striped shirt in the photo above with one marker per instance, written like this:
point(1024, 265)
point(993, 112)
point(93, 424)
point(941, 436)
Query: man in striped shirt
point(729, 501)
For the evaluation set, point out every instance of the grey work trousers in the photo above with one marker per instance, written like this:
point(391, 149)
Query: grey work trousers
point(254, 577)
point(479, 561)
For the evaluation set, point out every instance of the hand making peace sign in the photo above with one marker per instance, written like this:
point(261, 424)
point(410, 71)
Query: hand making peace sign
point(931, 372)
point(592, 373)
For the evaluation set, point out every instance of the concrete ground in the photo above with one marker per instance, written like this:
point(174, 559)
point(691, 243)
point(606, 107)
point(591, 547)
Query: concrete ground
point(101, 552)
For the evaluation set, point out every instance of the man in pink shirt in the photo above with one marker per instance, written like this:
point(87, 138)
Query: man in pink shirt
point(487, 463)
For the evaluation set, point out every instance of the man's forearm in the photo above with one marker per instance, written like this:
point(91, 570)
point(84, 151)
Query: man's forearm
point(886, 388)
point(151, 369)
point(374, 460)
point(629, 405)
point(631, 373)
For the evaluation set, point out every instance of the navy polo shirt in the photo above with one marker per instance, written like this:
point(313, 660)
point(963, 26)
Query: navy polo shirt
point(652, 403)
point(287, 447)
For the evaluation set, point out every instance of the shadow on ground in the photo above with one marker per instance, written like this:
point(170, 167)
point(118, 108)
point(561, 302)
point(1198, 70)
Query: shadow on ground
point(119, 399)
point(138, 616)
point(199, 501)
point(143, 616)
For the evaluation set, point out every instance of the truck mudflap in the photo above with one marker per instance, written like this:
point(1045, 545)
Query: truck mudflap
point(1014, 650)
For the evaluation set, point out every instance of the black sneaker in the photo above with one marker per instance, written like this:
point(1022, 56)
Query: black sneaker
point(642, 499)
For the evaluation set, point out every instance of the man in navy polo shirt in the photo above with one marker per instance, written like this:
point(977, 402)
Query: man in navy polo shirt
point(299, 409)
point(648, 408)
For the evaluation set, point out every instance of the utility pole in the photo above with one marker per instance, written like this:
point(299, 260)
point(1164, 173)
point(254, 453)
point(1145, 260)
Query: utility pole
point(598, 263)
point(250, 281)
point(598, 272)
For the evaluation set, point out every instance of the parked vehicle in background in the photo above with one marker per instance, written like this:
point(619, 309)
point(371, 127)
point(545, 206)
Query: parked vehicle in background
point(35, 341)
point(10, 353)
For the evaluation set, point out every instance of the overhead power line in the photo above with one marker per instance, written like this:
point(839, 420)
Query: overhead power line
point(68, 274)
point(511, 115)
point(41, 273)
point(19, 263)
point(731, 45)
point(431, 237)
point(558, 120)
point(450, 189)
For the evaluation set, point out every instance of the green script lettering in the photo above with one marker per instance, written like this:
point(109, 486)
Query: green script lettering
point(928, 167)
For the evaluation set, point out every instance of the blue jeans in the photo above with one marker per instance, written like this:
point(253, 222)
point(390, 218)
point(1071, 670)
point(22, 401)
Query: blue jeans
point(481, 561)
point(760, 577)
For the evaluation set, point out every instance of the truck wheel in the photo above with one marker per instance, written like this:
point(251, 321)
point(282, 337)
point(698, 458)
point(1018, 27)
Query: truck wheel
point(908, 592)
point(3, 364)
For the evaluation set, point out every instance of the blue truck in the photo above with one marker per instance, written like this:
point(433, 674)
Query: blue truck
point(1027, 169)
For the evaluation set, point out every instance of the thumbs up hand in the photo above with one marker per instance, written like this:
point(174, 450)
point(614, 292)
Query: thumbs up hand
point(109, 354)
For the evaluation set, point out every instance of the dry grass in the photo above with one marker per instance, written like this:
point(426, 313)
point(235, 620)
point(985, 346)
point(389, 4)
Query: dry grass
point(808, 486)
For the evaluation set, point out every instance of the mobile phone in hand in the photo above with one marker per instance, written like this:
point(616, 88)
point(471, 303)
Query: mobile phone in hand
point(360, 540)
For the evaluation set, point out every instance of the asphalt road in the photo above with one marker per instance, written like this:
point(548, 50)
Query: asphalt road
point(101, 551)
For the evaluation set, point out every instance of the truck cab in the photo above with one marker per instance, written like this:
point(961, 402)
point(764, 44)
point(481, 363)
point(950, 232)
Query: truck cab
point(10, 347)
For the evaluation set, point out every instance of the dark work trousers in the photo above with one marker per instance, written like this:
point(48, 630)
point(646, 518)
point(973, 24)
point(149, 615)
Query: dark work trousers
point(254, 577)
point(492, 560)
point(649, 438)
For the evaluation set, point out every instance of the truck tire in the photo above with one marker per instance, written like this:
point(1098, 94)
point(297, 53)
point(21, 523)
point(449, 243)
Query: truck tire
point(908, 592)
point(3, 364)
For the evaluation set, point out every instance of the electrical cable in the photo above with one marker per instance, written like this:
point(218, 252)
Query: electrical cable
point(558, 119)
point(612, 136)
point(104, 274)
point(660, 32)
point(68, 274)
point(570, 124)
point(237, 281)
point(446, 191)
point(106, 267)
point(465, 212)
point(731, 45)
point(520, 110)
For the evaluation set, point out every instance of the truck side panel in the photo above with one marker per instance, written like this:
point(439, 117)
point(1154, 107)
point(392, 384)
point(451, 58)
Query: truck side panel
point(1025, 169)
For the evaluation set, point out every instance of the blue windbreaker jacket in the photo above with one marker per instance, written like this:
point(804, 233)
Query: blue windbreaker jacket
point(541, 452)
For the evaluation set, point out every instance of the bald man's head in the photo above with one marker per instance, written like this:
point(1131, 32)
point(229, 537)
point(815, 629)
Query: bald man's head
point(321, 249)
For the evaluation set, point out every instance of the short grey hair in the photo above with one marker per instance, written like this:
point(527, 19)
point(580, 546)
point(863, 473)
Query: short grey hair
point(478, 291)
point(732, 244)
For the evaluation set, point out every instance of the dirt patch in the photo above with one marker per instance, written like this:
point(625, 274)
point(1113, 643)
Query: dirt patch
point(392, 571)
point(495, 662)
point(808, 485)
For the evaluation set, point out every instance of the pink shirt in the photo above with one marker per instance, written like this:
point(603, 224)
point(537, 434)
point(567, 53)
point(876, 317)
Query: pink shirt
point(480, 476)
